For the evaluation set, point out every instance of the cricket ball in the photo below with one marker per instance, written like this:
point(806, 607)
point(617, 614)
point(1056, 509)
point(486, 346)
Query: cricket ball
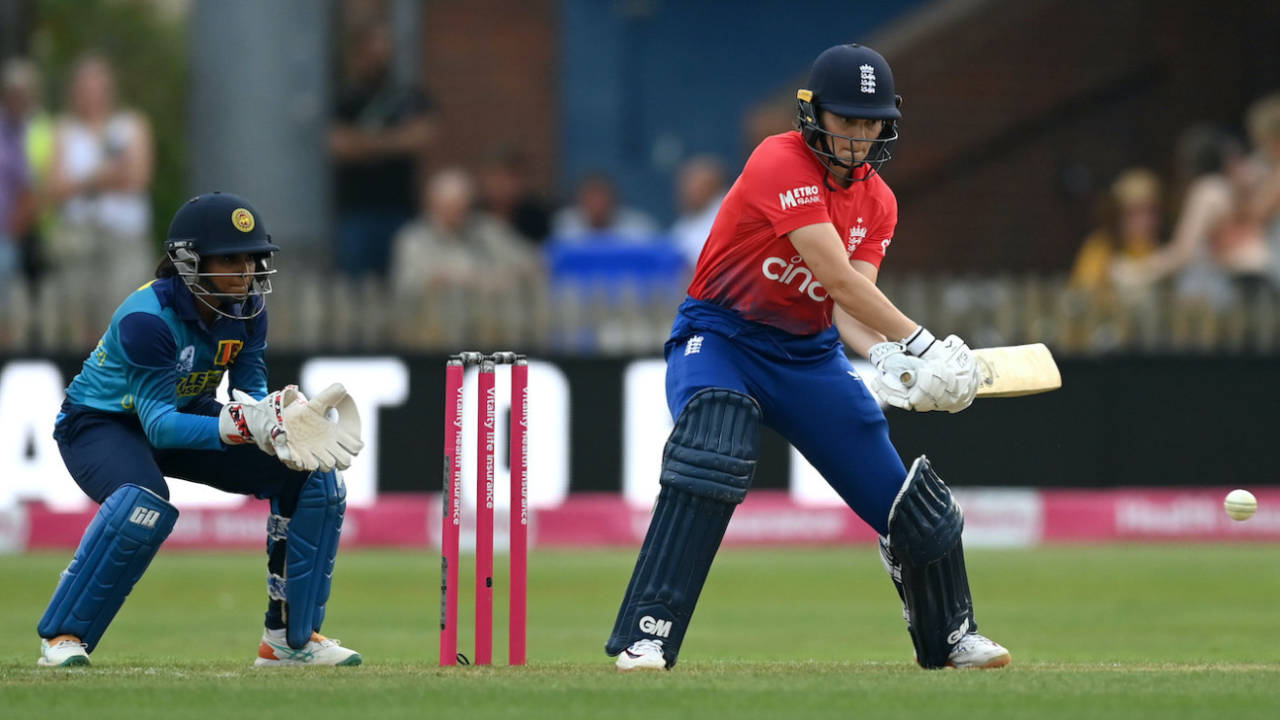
point(1240, 504)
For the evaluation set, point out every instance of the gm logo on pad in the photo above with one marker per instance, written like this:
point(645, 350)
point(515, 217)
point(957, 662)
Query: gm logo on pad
point(653, 626)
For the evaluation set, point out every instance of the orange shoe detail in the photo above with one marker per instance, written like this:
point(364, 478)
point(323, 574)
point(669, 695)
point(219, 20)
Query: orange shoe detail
point(265, 650)
point(998, 662)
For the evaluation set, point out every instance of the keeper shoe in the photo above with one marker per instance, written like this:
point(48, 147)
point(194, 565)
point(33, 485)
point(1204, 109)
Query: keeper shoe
point(977, 651)
point(643, 654)
point(320, 650)
point(66, 652)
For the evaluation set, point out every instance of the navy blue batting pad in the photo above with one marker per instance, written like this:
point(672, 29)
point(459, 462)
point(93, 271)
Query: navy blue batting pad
point(924, 538)
point(114, 552)
point(312, 548)
point(707, 467)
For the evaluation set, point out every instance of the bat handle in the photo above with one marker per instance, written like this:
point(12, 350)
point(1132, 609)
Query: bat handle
point(907, 378)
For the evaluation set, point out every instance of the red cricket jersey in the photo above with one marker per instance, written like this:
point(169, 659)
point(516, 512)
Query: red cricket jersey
point(748, 263)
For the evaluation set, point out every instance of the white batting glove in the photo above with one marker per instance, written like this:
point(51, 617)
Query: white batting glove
point(957, 374)
point(919, 342)
point(896, 373)
point(261, 422)
point(904, 381)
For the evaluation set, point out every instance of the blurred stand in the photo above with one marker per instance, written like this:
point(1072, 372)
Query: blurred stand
point(508, 193)
point(602, 310)
point(100, 184)
point(382, 131)
point(597, 215)
point(1129, 230)
point(17, 194)
point(700, 188)
point(461, 276)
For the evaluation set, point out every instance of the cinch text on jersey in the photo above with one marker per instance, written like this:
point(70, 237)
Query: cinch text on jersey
point(779, 270)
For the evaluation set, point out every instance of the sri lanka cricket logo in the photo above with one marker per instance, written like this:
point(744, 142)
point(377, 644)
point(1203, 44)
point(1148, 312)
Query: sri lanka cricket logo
point(227, 352)
point(242, 219)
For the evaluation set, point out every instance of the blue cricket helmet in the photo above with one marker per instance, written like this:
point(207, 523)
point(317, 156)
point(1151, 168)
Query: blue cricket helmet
point(852, 81)
point(220, 223)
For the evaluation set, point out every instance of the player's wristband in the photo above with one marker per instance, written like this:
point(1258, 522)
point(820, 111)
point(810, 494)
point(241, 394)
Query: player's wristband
point(919, 342)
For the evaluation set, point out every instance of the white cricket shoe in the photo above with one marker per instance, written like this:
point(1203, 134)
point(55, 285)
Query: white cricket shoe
point(977, 651)
point(66, 652)
point(320, 650)
point(643, 654)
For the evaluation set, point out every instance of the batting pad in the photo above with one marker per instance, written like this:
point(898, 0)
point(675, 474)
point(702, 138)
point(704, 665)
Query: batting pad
point(925, 525)
point(116, 549)
point(707, 468)
point(311, 550)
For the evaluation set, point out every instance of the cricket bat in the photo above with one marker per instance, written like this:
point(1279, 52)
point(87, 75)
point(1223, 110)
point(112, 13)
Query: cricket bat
point(1016, 370)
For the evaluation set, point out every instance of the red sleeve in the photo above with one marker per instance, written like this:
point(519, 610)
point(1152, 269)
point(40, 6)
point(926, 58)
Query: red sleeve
point(880, 234)
point(785, 186)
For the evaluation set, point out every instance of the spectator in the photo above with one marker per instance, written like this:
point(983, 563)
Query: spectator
point(22, 87)
point(506, 193)
point(381, 133)
point(1130, 229)
point(463, 272)
point(597, 217)
point(700, 187)
point(17, 203)
point(1263, 123)
point(1216, 249)
point(99, 182)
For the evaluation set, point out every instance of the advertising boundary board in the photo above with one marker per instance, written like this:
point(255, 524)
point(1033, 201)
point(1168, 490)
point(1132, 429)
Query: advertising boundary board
point(598, 425)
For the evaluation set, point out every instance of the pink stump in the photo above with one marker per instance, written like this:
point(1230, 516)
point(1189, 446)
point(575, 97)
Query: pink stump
point(452, 502)
point(519, 510)
point(484, 512)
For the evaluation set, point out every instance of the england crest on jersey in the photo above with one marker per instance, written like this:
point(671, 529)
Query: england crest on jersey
point(857, 234)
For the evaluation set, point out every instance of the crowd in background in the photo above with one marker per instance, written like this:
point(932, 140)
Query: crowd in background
point(430, 257)
point(482, 254)
point(1202, 244)
point(75, 208)
point(463, 252)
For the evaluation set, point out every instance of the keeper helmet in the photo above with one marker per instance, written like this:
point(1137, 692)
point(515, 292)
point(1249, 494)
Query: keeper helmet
point(220, 223)
point(851, 81)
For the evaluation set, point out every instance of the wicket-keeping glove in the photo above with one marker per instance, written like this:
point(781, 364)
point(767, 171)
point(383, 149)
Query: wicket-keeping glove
point(314, 442)
point(245, 420)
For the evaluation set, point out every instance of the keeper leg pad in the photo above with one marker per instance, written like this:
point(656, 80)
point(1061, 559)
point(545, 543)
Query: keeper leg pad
point(115, 551)
point(311, 549)
point(707, 467)
point(925, 525)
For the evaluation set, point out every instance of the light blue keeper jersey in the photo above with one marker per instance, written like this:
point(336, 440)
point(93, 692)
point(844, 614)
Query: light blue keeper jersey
point(158, 357)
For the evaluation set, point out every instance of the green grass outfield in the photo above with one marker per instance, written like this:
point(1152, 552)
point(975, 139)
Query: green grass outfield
point(1096, 632)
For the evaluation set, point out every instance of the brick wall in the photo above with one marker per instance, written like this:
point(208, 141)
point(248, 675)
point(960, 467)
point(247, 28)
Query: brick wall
point(492, 67)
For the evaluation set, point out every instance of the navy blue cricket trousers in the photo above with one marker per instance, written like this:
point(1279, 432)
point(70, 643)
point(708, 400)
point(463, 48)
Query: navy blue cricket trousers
point(103, 451)
point(808, 393)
